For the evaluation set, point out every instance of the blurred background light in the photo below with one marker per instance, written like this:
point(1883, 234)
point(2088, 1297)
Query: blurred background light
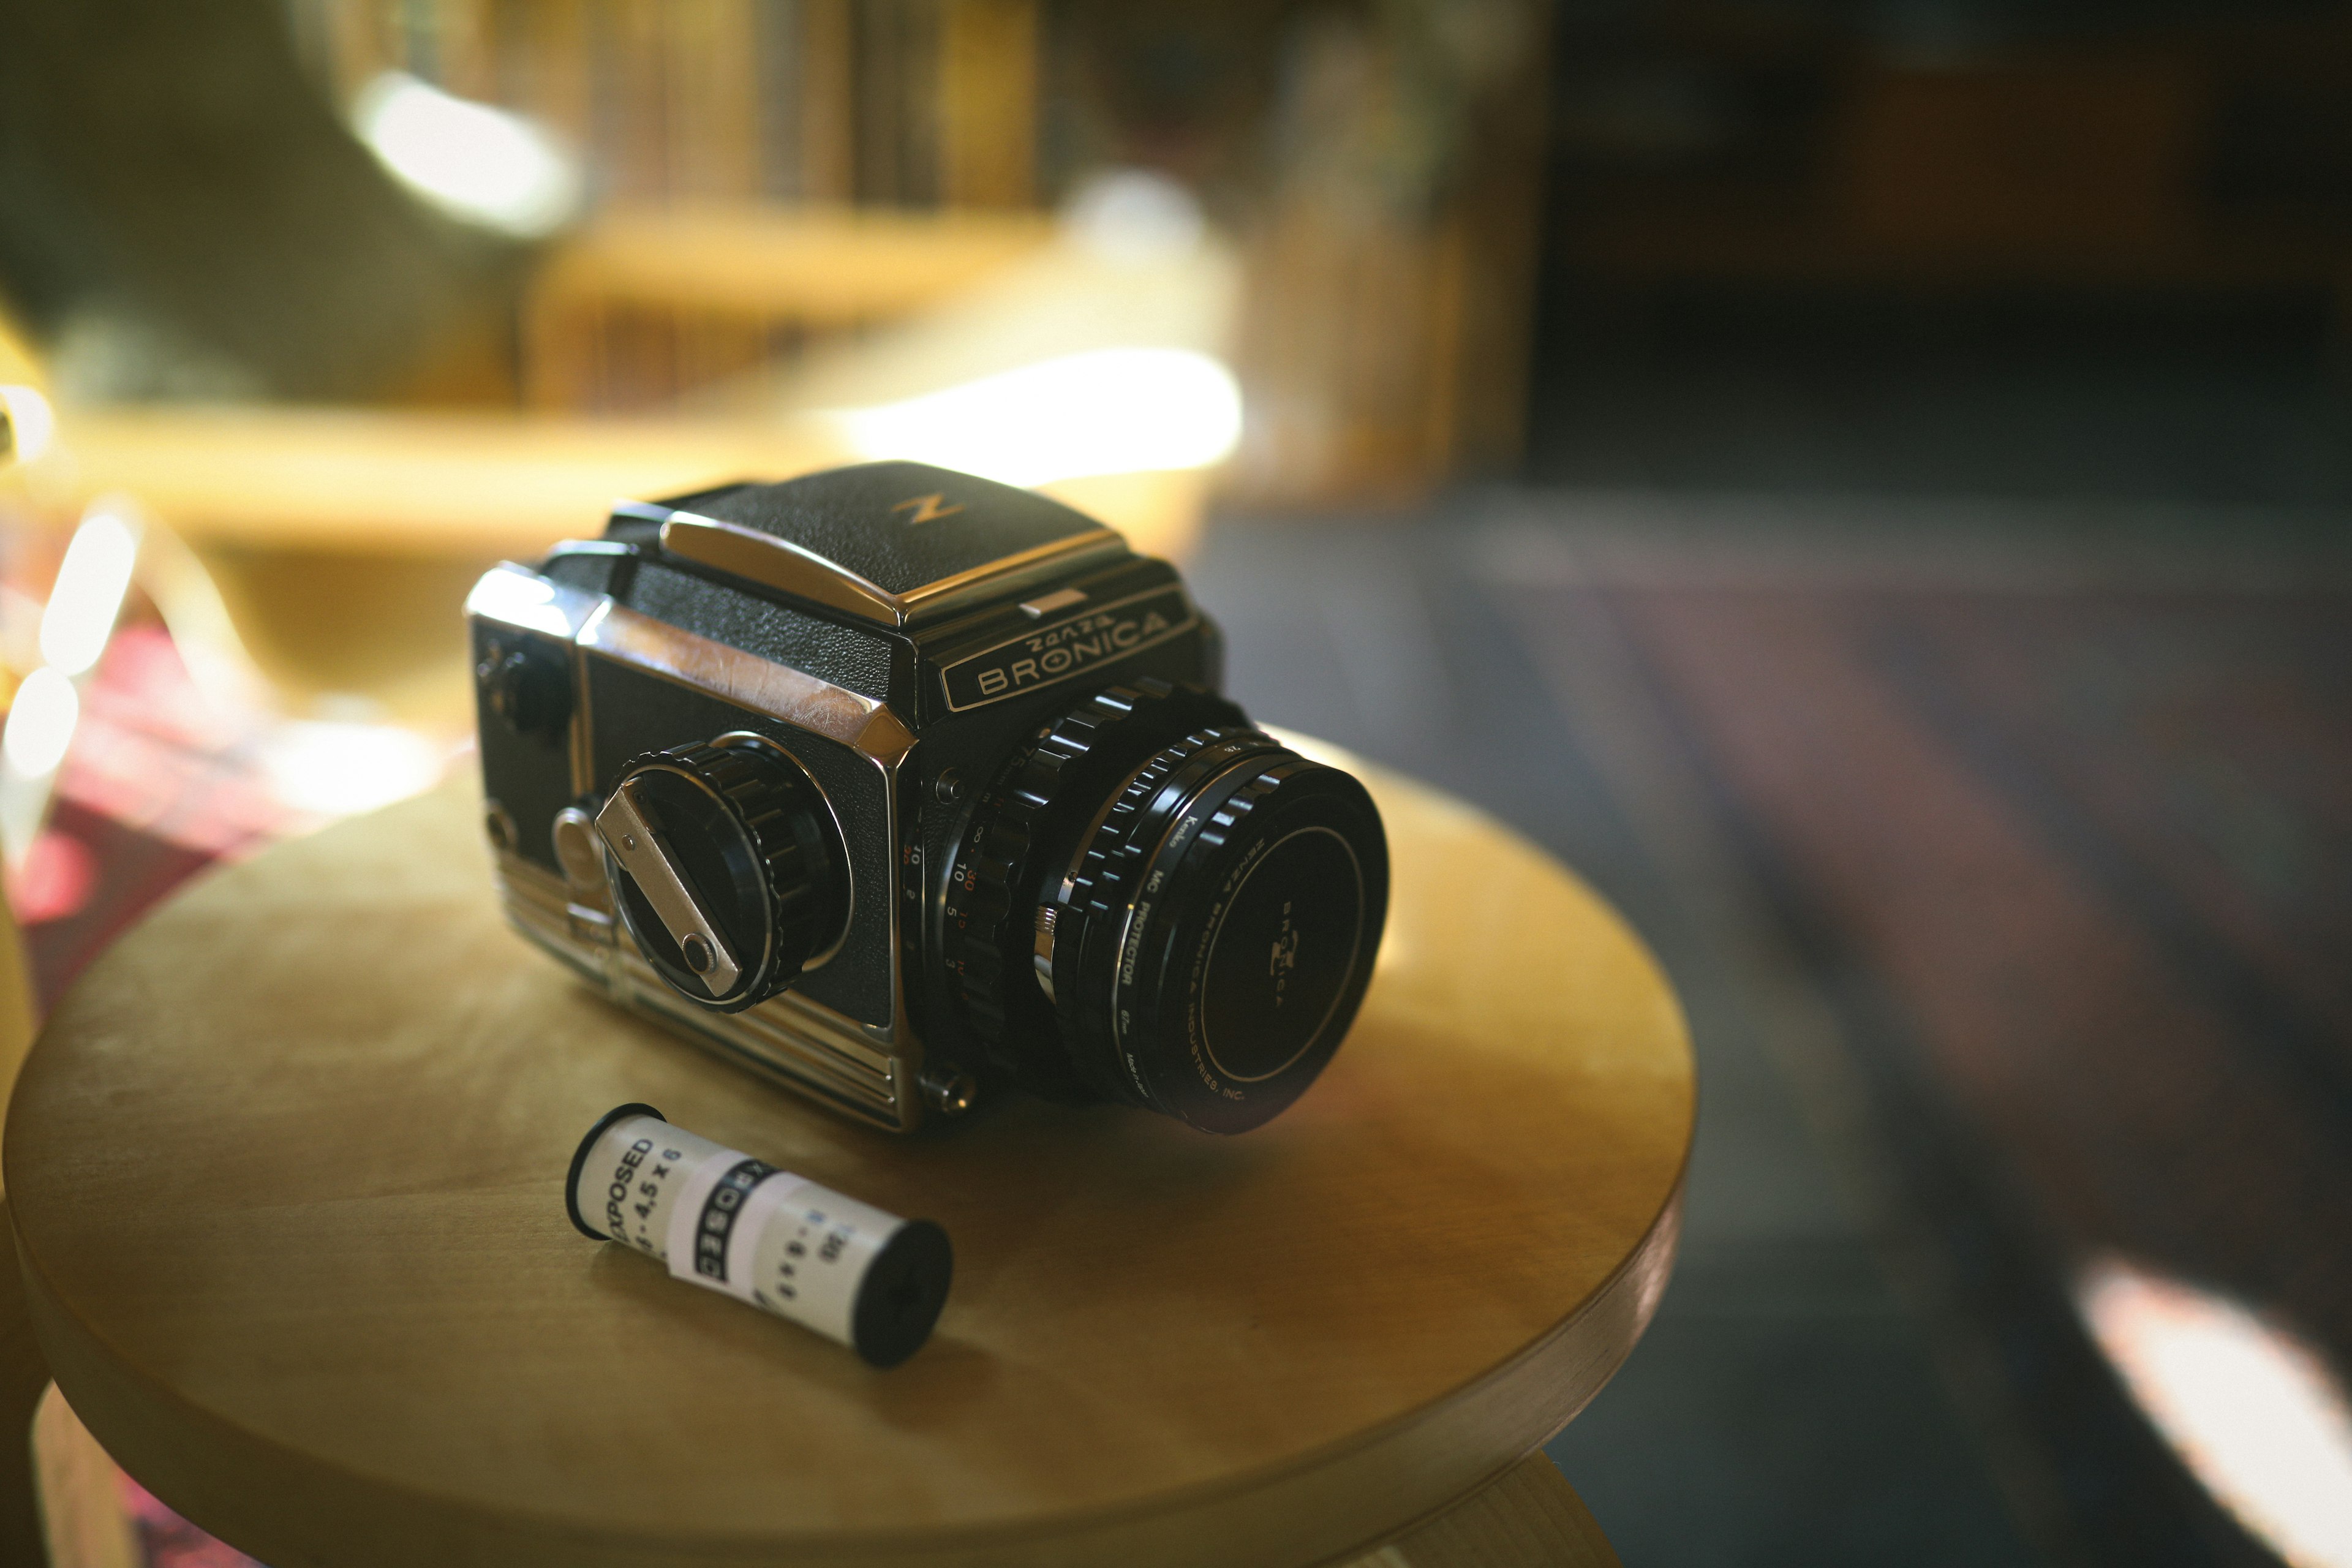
point(337, 767)
point(1134, 215)
point(2252, 1409)
point(30, 424)
point(475, 162)
point(40, 724)
point(91, 582)
point(1109, 411)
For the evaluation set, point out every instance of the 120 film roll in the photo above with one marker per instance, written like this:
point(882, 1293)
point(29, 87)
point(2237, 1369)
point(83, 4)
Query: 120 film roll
point(721, 1218)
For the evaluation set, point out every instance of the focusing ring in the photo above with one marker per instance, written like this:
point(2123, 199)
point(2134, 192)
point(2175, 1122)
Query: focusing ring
point(1022, 830)
point(797, 866)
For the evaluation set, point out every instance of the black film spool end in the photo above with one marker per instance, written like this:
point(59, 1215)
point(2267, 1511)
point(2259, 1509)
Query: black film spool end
point(579, 1158)
point(901, 1295)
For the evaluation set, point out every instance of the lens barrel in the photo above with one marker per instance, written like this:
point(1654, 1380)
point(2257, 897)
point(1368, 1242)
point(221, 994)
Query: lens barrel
point(1187, 923)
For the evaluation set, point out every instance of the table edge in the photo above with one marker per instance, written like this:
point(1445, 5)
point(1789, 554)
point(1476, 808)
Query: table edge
point(213, 1472)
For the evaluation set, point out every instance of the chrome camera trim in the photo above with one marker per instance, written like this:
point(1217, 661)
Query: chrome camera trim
point(873, 1072)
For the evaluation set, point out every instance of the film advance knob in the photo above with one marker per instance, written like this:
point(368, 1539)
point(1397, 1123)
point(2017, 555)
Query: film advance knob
point(729, 868)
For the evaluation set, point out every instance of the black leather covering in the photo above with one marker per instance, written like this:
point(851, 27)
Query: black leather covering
point(898, 525)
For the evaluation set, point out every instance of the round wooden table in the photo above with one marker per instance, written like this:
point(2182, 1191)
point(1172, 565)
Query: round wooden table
point(285, 1172)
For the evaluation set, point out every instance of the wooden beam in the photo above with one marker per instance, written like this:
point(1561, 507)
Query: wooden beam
point(820, 266)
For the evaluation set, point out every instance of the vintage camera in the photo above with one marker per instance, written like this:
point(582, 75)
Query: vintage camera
point(895, 784)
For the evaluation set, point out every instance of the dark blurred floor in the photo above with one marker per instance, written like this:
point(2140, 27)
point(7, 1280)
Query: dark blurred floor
point(1991, 801)
point(2173, 399)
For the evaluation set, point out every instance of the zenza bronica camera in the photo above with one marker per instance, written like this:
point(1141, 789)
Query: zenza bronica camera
point(899, 785)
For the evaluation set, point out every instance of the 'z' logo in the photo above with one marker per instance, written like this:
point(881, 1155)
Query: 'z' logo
point(928, 507)
point(1285, 956)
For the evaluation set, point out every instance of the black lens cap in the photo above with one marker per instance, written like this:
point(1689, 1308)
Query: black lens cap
point(1229, 921)
point(1280, 957)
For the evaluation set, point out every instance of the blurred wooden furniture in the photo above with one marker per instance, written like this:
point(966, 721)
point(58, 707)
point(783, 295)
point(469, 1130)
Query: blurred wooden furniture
point(343, 541)
point(1382, 167)
point(428, 483)
point(284, 1175)
point(646, 303)
point(1390, 325)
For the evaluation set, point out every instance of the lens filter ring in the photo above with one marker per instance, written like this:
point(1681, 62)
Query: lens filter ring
point(1221, 931)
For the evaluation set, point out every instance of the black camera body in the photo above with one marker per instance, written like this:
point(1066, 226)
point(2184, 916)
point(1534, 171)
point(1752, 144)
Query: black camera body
point(895, 784)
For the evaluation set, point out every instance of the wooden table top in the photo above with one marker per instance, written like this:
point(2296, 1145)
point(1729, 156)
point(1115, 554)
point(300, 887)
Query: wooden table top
point(286, 1170)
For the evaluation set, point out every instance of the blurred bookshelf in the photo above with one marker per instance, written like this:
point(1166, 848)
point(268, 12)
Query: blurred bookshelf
point(757, 165)
point(887, 102)
point(2196, 151)
point(771, 177)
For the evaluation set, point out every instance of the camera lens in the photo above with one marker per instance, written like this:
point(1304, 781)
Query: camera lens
point(1158, 904)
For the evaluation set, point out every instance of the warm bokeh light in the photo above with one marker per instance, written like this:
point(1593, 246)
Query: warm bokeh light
point(1134, 215)
point(2253, 1410)
point(40, 724)
point(91, 582)
point(1111, 411)
point(475, 162)
point(31, 424)
point(336, 768)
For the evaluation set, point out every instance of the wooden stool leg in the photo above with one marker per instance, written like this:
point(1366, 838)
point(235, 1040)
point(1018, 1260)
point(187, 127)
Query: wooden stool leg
point(1530, 1517)
point(23, 1377)
point(83, 1516)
